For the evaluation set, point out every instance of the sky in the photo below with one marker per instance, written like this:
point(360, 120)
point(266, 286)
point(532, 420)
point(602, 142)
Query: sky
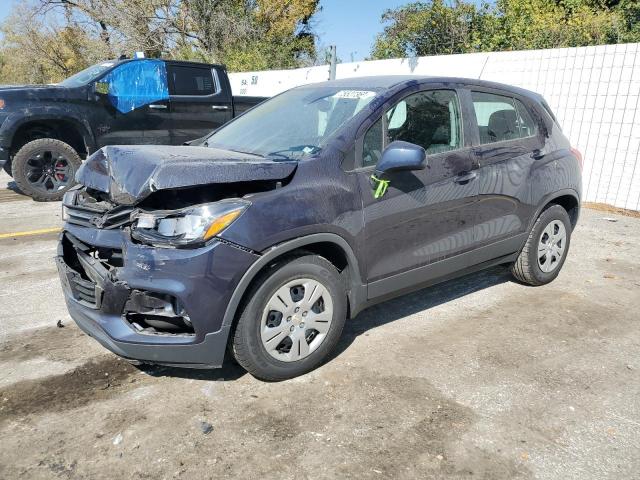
point(351, 25)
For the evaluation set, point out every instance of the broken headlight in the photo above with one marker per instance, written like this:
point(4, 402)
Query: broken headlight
point(187, 226)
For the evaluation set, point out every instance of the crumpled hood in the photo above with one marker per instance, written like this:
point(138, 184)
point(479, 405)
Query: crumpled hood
point(129, 174)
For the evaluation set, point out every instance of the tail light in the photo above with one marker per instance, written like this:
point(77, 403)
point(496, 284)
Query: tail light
point(578, 155)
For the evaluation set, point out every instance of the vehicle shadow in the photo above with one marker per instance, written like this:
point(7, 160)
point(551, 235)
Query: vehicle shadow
point(371, 318)
point(230, 371)
point(420, 300)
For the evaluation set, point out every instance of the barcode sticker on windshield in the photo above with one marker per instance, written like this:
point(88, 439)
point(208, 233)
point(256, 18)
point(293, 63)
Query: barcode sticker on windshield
point(355, 94)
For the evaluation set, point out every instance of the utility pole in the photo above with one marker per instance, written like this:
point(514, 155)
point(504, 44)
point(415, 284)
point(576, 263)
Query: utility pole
point(332, 62)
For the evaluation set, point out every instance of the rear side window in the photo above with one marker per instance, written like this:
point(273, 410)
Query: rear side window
point(430, 119)
point(526, 126)
point(499, 119)
point(188, 80)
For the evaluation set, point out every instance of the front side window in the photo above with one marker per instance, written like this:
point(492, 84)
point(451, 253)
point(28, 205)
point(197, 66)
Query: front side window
point(430, 119)
point(372, 144)
point(293, 124)
point(499, 119)
point(187, 80)
point(135, 84)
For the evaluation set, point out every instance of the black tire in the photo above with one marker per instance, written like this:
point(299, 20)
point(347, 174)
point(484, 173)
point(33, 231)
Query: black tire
point(42, 152)
point(526, 268)
point(247, 345)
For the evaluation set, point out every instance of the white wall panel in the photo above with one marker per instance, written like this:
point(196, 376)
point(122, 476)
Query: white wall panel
point(594, 92)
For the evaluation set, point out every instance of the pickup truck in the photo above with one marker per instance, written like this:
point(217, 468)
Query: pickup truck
point(47, 130)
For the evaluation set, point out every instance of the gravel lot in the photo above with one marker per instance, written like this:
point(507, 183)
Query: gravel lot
point(476, 378)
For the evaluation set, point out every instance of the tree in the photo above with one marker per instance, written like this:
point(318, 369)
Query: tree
point(243, 34)
point(436, 27)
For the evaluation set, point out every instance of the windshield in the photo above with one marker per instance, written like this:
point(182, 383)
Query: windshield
point(294, 124)
point(87, 75)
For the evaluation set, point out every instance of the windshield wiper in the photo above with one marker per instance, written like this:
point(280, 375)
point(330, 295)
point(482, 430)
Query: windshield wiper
point(298, 148)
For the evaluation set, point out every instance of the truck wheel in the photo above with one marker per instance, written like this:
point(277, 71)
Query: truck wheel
point(293, 319)
point(45, 169)
point(542, 257)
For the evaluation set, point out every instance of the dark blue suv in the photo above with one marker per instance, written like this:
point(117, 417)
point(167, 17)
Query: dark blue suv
point(262, 238)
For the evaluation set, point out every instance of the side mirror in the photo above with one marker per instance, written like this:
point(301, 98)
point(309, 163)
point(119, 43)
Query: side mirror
point(402, 156)
point(101, 88)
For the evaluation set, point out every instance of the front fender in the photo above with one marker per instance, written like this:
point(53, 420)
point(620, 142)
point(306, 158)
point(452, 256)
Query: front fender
point(357, 293)
point(44, 114)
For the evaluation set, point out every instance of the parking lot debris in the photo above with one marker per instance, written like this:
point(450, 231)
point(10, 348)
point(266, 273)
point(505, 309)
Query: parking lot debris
point(59, 324)
point(206, 427)
point(117, 440)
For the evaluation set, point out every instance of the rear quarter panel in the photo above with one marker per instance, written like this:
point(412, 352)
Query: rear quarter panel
point(558, 172)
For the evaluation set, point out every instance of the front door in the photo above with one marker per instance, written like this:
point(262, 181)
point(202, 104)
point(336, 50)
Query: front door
point(425, 216)
point(199, 105)
point(135, 105)
point(509, 143)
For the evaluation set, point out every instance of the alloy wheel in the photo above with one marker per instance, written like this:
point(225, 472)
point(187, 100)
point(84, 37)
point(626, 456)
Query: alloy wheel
point(48, 171)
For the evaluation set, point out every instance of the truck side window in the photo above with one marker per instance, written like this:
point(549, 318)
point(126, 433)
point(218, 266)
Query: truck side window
point(137, 83)
point(187, 80)
point(372, 145)
point(430, 119)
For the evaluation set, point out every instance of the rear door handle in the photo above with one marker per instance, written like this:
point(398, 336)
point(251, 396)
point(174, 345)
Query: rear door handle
point(158, 106)
point(465, 177)
point(220, 107)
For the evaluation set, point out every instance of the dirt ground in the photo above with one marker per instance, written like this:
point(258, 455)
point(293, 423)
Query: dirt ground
point(477, 378)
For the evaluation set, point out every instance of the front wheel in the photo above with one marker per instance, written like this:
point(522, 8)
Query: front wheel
point(543, 256)
point(293, 319)
point(45, 169)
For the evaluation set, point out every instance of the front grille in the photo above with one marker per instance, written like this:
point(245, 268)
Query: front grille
point(82, 209)
point(83, 280)
point(84, 290)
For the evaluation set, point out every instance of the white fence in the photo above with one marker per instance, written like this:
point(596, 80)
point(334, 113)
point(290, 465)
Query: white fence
point(594, 92)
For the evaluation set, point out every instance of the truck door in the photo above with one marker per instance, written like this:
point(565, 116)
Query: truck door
point(199, 104)
point(135, 98)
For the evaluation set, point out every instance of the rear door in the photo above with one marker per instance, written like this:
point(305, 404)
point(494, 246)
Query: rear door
point(425, 216)
point(199, 104)
point(508, 142)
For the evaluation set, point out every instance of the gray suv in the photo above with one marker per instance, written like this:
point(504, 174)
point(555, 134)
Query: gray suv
point(262, 238)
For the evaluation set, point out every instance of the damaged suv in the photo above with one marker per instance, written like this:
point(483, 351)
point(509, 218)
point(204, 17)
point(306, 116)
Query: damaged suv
point(263, 238)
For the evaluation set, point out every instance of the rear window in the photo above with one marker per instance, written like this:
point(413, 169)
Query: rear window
point(501, 118)
point(188, 80)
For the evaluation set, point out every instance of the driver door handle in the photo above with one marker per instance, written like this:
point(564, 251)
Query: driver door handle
point(220, 107)
point(465, 177)
point(158, 106)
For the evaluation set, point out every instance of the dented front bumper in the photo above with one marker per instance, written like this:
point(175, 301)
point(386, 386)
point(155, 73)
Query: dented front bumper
point(111, 283)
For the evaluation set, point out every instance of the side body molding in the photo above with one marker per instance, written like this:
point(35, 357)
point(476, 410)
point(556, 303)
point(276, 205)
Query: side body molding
point(356, 290)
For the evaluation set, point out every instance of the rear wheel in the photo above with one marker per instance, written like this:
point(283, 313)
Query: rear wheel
point(543, 256)
point(45, 169)
point(292, 321)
